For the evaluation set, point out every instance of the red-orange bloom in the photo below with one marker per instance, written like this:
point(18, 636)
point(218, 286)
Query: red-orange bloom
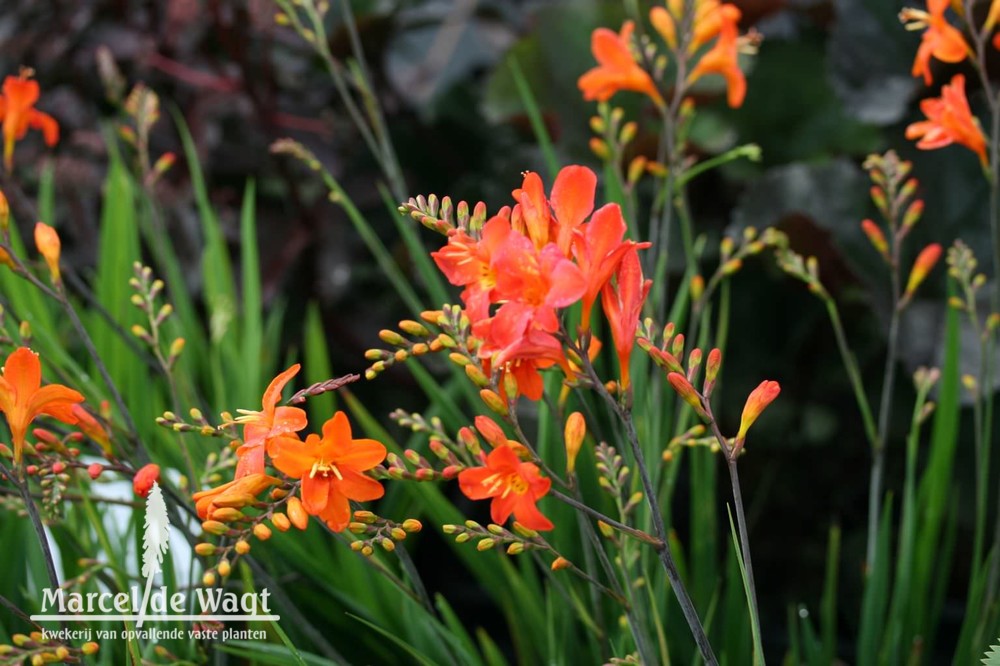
point(940, 39)
point(949, 120)
point(18, 113)
point(723, 57)
point(571, 202)
point(622, 304)
point(332, 470)
point(616, 67)
point(468, 262)
point(271, 424)
point(144, 479)
point(598, 250)
point(90, 427)
point(514, 486)
point(23, 398)
point(237, 493)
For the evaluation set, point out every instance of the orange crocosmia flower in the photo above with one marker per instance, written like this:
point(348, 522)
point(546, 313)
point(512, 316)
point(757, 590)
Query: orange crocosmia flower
point(723, 58)
point(272, 423)
point(468, 262)
point(18, 113)
point(514, 486)
point(571, 202)
point(536, 351)
point(90, 427)
point(709, 16)
point(237, 493)
point(598, 249)
point(949, 120)
point(23, 398)
point(941, 39)
point(535, 283)
point(616, 67)
point(622, 303)
point(332, 470)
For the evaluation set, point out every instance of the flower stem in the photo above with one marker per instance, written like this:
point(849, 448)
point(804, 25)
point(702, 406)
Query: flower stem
point(36, 521)
point(885, 410)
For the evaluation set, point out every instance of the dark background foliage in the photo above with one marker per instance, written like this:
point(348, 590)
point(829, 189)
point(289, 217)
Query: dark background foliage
point(830, 84)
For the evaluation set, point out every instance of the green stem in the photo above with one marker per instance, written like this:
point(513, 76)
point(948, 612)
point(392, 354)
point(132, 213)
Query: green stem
point(885, 410)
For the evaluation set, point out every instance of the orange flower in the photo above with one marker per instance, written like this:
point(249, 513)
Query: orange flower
point(709, 16)
point(18, 113)
point(598, 250)
point(940, 39)
point(571, 202)
point(144, 479)
point(332, 470)
point(468, 262)
point(90, 427)
point(759, 399)
point(268, 426)
point(616, 67)
point(723, 58)
point(514, 486)
point(949, 120)
point(622, 304)
point(237, 493)
point(23, 398)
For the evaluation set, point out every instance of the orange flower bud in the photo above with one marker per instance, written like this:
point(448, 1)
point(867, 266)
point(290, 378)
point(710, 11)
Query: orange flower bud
point(493, 401)
point(490, 431)
point(4, 212)
point(226, 514)
point(697, 287)
point(95, 470)
point(297, 513)
point(47, 242)
point(712, 365)
point(922, 266)
point(913, 213)
point(205, 549)
point(875, 237)
point(687, 393)
point(90, 648)
point(262, 531)
point(144, 479)
point(214, 527)
point(560, 563)
point(759, 399)
point(575, 431)
point(280, 522)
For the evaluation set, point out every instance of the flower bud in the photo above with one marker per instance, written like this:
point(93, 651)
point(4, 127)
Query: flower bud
point(560, 563)
point(47, 242)
point(922, 267)
point(297, 513)
point(759, 399)
point(876, 237)
point(687, 393)
point(262, 531)
point(144, 479)
point(280, 522)
point(573, 434)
